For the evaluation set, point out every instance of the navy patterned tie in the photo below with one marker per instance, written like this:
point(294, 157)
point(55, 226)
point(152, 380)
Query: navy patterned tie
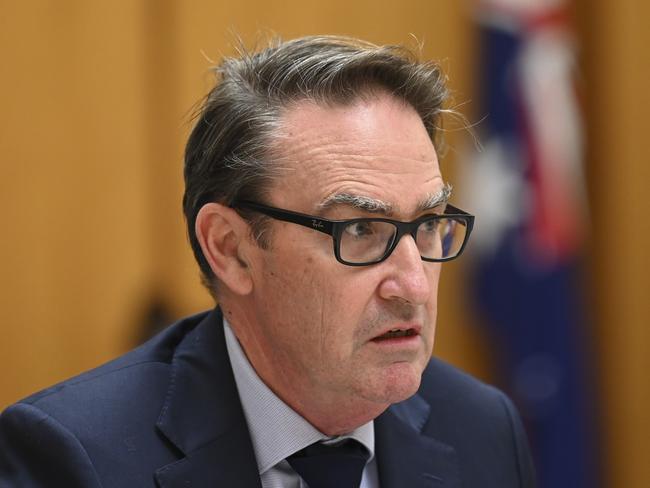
point(331, 466)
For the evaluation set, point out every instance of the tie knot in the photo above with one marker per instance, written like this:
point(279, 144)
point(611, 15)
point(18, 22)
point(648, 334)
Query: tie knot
point(328, 466)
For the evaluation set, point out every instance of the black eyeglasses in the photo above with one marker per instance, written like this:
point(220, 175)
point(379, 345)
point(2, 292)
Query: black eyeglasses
point(364, 241)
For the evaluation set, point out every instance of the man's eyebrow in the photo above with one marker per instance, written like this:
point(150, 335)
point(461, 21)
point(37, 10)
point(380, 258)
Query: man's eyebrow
point(374, 205)
point(436, 199)
point(359, 202)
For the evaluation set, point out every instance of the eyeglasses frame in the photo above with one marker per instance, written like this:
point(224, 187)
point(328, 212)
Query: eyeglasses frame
point(335, 228)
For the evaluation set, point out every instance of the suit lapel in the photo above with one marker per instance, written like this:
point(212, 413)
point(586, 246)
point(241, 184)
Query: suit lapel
point(406, 457)
point(202, 415)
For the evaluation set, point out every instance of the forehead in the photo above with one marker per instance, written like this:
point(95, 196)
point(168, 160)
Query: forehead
point(375, 147)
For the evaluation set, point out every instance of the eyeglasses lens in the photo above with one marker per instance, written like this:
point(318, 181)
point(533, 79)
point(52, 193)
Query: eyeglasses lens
point(441, 238)
point(368, 241)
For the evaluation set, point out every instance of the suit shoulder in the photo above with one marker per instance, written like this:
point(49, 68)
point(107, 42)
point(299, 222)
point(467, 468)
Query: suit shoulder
point(442, 381)
point(480, 423)
point(98, 428)
point(458, 399)
point(141, 372)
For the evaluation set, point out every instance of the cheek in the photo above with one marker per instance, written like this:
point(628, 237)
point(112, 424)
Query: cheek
point(292, 293)
point(327, 308)
point(434, 280)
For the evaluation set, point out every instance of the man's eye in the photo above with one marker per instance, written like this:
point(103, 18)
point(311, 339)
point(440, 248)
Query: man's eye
point(429, 225)
point(360, 229)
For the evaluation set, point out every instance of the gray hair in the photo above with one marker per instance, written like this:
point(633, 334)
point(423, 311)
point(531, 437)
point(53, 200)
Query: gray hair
point(228, 156)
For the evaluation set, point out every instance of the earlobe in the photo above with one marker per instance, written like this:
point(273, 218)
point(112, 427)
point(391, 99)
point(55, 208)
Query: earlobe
point(222, 233)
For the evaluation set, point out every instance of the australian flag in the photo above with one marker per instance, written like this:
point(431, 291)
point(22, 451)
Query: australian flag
point(528, 193)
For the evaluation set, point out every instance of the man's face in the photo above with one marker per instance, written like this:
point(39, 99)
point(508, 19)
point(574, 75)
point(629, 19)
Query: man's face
point(320, 326)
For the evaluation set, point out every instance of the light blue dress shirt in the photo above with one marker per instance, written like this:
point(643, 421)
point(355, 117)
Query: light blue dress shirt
point(277, 431)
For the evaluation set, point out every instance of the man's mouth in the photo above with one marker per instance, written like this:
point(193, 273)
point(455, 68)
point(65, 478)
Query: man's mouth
point(396, 333)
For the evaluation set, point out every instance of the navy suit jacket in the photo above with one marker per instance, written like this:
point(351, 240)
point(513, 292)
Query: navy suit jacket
point(168, 414)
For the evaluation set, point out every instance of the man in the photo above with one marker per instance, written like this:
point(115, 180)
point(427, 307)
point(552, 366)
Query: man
point(319, 217)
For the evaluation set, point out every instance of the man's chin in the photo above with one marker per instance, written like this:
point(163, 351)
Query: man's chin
point(399, 381)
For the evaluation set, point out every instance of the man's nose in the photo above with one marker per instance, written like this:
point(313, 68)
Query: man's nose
point(408, 279)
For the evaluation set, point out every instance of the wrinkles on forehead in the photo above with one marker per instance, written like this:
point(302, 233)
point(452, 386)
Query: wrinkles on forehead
point(374, 205)
point(372, 157)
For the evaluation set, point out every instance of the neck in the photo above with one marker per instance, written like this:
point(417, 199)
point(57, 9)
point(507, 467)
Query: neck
point(338, 418)
point(328, 413)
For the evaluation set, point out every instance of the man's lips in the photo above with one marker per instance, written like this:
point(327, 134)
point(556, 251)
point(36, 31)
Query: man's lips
point(398, 331)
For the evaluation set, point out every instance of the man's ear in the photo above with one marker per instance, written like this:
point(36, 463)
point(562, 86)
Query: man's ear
point(222, 234)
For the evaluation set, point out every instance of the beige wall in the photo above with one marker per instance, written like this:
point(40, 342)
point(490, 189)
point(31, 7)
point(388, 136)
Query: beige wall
point(94, 97)
point(74, 200)
point(617, 71)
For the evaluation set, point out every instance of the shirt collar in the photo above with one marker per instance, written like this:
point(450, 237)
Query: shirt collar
point(277, 431)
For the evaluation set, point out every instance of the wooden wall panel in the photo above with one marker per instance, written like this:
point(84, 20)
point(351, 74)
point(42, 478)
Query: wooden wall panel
point(618, 104)
point(73, 211)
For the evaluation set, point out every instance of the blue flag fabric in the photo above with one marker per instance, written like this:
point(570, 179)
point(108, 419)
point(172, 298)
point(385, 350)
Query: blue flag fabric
point(528, 194)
